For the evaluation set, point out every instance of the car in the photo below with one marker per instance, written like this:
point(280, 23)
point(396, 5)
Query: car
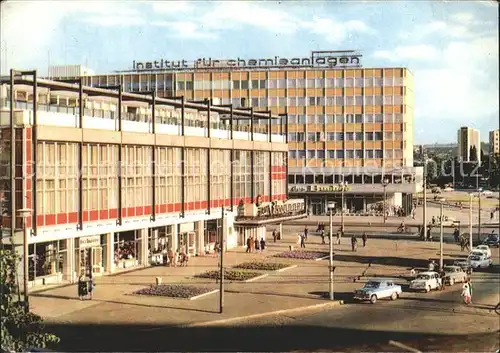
point(479, 260)
point(426, 281)
point(464, 264)
point(450, 222)
point(448, 189)
point(487, 192)
point(485, 249)
point(454, 274)
point(492, 240)
point(377, 289)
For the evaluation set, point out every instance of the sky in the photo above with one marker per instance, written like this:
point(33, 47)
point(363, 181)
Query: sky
point(451, 47)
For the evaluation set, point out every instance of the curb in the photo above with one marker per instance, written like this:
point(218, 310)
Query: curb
point(322, 258)
point(256, 278)
point(203, 295)
point(271, 313)
point(286, 268)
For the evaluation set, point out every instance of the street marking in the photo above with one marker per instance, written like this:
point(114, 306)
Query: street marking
point(403, 346)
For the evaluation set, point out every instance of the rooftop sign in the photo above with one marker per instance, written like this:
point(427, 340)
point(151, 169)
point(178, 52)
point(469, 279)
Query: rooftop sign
point(324, 59)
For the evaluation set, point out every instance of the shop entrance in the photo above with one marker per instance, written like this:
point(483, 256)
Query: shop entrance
point(90, 260)
point(187, 242)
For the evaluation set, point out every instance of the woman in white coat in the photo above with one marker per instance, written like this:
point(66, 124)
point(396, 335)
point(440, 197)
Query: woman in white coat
point(466, 293)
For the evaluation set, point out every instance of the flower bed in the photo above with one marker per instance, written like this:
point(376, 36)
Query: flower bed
point(230, 275)
point(302, 254)
point(173, 291)
point(262, 266)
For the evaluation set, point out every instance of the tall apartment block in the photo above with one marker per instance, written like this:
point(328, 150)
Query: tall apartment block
point(469, 144)
point(494, 142)
point(94, 180)
point(347, 124)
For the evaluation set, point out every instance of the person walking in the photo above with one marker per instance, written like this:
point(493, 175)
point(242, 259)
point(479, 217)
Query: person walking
point(305, 232)
point(91, 287)
point(364, 238)
point(354, 243)
point(262, 244)
point(249, 244)
point(322, 235)
point(339, 234)
point(82, 287)
point(275, 235)
point(466, 293)
point(257, 244)
point(442, 276)
point(303, 241)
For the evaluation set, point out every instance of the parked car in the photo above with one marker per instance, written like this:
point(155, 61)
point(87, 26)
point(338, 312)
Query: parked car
point(479, 260)
point(454, 274)
point(378, 289)
point(426, 281)
point(485, 249)
point(450, 222)
point(448, 189)
point(492, 240)
point(464, 264)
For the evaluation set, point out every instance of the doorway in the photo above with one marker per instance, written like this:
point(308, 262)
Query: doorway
point(90, 261)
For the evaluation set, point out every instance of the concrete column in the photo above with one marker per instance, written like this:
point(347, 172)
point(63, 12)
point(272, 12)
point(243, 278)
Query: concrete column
point(281, 230)
point(110, 252)
point(155, 239)
point(143, 255)
point(69, 266)
point(175, 233)
point(200, 237)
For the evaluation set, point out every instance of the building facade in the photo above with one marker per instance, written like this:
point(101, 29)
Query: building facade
point(469, 144)
point(99, 180)
point(346, 123)
point(494, 142)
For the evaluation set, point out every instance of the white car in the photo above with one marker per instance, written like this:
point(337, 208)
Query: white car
point(448, 189)
point(450, 222)
point(479, 260)
point(426, 281)
point(485, 249)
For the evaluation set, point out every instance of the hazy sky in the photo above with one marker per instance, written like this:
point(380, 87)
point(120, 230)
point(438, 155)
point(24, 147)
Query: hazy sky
point(450, 46)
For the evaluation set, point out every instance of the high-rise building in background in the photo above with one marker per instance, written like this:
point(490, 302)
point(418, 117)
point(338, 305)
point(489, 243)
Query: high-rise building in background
point(494, 142)
point(346, 123)
point(469, 144)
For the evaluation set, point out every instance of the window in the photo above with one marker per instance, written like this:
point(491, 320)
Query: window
point(378, 135)
point(378, 154)
point(330, 136)
point(330, 119)
point(320, 154)
point(301, 101)
point(331, 153)
point(358, 154)
point(291, 83)
point(301, 154)
point(244, 84)
point(358, 100)
point(349, 136)
point(388, 135)
point(262, 84)
point(236, 84)
point(311, 154)
point(358, 136)
point(349, 118)
point(292, 154)
point(349, 82)
point(300, 136)
point(369, 100)
point(302, 119)
point(358, 118)
point(349, 100)
point(378, 118)
point(349, 154)
point(292, 136)
point(388, 154)
point(358, 82)
point(369, 154)
point(339, 136)
point(255, 84)
point(339, 100)
point(369, 136)
point(339, 154)
point(379, 100)
point(388, 100)
point(339, 118)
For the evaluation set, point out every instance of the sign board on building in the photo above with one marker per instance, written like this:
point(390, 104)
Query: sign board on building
point(273, 209)
point(318, 188)
point(90, 242)
point(325, 59)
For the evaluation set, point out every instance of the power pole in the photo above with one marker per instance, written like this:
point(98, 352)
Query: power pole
point(479, 225)
point(424, 228)
point(470, 219)
point(222, 242)
point(441, 239)
point(331, 253)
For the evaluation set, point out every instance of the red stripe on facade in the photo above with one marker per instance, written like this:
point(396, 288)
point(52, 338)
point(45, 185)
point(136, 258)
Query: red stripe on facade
point(94, 215)
point(103, 214)
point(62, 218)
point(148, 210)
point(177, 207)
point(113, 213)
point(139, 211)
point(50, 219)
point(73, 217)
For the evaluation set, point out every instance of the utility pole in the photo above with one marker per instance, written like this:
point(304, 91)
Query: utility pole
point(330, 206)
point(222, 247)
point(470, 219)
point(479, 223)
point(441, 238)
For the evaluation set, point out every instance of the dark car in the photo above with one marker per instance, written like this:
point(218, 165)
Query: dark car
point(492, 240)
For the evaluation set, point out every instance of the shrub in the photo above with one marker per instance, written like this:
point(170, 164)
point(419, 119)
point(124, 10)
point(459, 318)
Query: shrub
point(302, 254)
point(230, 275)
point(262, 266)
point(174, 291)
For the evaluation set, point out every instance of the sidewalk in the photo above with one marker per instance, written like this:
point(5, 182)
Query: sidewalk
point(302, 286)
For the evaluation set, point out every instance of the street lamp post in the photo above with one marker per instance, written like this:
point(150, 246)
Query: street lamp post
point(343, 187)
point(470, 219)
point(222, 245)
point(24, 213)
point(385, 182)
point(479, 220)
point(441, 236)
point(331, 206)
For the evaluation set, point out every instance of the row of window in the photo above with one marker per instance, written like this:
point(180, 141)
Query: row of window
point(314, 101)
point(340, 154)
point(57, 176)
point(351, 179)
point(341, 136)
point(280, 83)
point(345, 118)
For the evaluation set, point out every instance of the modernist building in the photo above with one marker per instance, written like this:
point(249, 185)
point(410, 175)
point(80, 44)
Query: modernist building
point(347, 123)
point(107, 179)
point(469, 144)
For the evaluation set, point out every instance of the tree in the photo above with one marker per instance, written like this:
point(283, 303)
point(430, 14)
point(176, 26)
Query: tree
point(19, 328)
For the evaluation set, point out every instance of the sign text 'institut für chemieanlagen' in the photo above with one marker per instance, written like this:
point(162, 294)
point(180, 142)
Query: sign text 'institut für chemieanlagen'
point(329, 59)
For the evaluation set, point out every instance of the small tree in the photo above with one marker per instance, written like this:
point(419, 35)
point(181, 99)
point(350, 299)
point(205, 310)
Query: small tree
point(20, 329)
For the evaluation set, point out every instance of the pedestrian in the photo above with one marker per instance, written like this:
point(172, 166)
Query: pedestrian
point(305, 232)
point(429, 234)
point(462, 243)
point(303, 241)
point(257, 244)
point(262, 244)
point(365, 238)
point(466, 293)
point(470, 287)
point(433, 220)
point(252, 244)
point(82, 287)
point(275, 235)
point(338, 237)
point(491, 215)
point(354, 243)
point(322, 234)
point(249, 243)
point(442, 276)
point(217, 249)
point(91, 287)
